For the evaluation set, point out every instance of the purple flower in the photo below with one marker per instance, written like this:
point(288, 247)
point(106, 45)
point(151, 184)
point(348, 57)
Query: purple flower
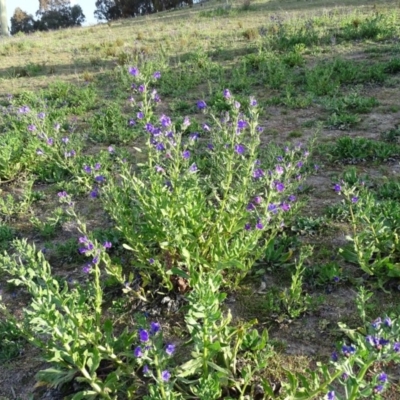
point(237, 105)
point(194, 136)
point(155, 327)
point(206, 128)
point(387, 322)
point(250, 207)
point(279, 186)
point(143, 335)
point(87, 268)
point(138, 352)
point(157, 75)
point(354, 199)
point(299, 164)
point(240, 149)
point(62, 194)
point(253, 101)
point(345, 376)
point(285, 207)
point(159, 169)
point(41, 115)
point(94, 193)
point(378, 388)
point(383, 342)
point(257, 199)
point(258, 173)
point(24, 110)
point(396, 347)
point(31, 128)
point(111, 149)
point(292, 198)
point(210, 146)
point(151, 260)
point(185, 123)
point(97, 166)
point(331, 395)
point(186, 154)
point(160, 146)
point(107, 245)
point(334, 356)
point(99, 178)
point(201, 105)
point(242, 124)
point(170, 349)
point(133, 71)
point(247, 227)
point(165, 121)
point(65, 140)
point(279, 169)
point(372, 340)
point(165, 376)
point(132, 122)
point(146, 370)
point(95, 259)
point(140, 115)
point(272, 208)
point(149, 127)
point(87, 169)
point(382, 377)
point(337, 188)
point(259, 225)
point(227, 94)
point(193, 168)
point(348, 350)
point(377, 323)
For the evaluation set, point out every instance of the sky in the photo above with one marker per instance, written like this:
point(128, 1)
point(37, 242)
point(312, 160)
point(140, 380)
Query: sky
point(31, 6)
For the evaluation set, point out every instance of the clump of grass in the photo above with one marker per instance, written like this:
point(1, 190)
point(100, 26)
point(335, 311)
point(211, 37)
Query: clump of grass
point(251, 34)
point(246, 5)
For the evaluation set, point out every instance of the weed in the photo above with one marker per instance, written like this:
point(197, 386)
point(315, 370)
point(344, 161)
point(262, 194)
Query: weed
point(6, 236)
point(347, 148)
point(251, 33)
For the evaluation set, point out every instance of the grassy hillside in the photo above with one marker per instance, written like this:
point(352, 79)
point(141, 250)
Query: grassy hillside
point(228, 171)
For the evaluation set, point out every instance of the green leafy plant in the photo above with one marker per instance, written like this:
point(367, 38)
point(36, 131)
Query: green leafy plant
point(220, 195)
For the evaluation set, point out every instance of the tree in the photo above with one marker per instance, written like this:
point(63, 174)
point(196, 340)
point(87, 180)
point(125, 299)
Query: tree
point(61, 17)
point(46, 5)
point(21, 21)
point(107, 10)
point(115, 9)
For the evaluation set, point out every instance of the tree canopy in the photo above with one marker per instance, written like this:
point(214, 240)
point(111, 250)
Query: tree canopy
point(58, 14)
point(115, 9)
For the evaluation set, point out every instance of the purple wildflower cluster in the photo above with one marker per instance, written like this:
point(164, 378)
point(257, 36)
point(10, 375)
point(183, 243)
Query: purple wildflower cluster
point(379, 342)
point(98, 178)
point(150, 343)
point(88, 248)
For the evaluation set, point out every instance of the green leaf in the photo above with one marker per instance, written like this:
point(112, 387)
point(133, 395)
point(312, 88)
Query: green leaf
point(56, 377)
point(218, 368)
point(190, 368)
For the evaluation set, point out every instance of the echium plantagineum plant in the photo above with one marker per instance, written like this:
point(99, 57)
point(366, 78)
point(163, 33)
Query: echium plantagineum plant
point(205, 200)
point(375, 243)
point(358, 368)
point(68, 325)
point(33, 141)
